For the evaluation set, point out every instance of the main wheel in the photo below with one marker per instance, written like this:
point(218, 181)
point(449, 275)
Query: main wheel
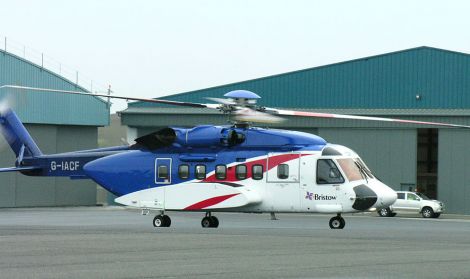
point(337, 223)
point(384, 212)
point(161, 221)
point(427, 212)
point(215, 222)
point(158, 221)
point(206, 222)
point(166, 221)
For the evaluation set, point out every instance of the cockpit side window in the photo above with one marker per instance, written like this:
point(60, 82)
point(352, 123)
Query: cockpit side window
point(350, 169)
point(328, 173)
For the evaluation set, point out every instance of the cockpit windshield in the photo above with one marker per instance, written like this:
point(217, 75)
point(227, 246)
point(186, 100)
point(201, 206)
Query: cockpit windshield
point(351, 169)
point(354, 169)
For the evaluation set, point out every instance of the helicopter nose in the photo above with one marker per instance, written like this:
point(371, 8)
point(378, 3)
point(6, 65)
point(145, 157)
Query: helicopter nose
point(386, 196)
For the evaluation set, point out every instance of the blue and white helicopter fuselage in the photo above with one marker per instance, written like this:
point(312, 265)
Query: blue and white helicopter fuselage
point(217, 168)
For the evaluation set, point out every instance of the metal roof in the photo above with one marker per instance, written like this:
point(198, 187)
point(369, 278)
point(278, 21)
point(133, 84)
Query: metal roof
point(47, 107)
point(415, 79)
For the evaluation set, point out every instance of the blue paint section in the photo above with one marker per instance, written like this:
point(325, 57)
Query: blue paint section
point(134, 170)
point(126, 169)
point(239, 94)
point(17, 136)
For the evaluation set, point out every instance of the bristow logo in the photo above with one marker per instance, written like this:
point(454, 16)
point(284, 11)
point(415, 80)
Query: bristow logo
point(317, 197)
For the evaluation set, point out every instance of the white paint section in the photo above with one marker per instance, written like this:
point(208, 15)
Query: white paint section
point(149, 198)
point(181, 196)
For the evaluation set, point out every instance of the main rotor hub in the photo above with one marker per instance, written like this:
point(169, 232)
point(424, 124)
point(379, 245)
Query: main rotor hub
point(243, 97)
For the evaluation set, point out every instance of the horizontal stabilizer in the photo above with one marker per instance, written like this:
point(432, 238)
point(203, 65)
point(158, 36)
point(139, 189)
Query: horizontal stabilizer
point(19, 169)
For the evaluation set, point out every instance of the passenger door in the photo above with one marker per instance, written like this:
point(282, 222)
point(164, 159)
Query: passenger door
point(283, 181)
point(321, 185)
point(400, 203)
point(412, 202)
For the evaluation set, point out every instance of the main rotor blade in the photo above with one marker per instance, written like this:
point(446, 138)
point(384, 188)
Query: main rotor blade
point(176, 103)
point(357, 117)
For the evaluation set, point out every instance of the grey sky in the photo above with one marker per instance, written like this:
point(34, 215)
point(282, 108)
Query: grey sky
point(156, 48)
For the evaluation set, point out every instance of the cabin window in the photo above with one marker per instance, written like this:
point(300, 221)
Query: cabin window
point(163, 172)
point(257, 172)
point(183, 171)
point(328, 173)
point(283, 171)
point(401, 196)
point(240, 172)
point(200, 172)
point(220, 172)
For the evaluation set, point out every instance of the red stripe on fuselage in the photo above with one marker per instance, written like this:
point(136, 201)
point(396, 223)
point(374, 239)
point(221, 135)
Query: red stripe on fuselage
point(209, 202)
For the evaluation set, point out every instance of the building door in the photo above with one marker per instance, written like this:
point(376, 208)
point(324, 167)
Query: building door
point(427, 149)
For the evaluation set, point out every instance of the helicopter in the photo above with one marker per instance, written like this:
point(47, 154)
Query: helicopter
point(231, 168)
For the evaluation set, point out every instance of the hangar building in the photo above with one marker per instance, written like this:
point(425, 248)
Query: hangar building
point(424, 83)
point(58, 123)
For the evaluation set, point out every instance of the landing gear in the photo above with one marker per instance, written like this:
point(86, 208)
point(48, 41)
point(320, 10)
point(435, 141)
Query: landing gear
point(337, 222)
point(209, 221)
point(161, 221)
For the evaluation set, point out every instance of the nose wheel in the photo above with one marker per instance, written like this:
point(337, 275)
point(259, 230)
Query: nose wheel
point(337, 222)
point(209, 221)
point(161, 221)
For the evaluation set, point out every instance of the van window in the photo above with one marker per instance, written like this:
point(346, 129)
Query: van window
point(240, 172)
point(328, 173)
point(257, 172)
point(200, 172)
point(183, 171)
point(220, 172)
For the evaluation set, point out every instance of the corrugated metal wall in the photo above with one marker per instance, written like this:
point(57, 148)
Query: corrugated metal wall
point(58, 123)
point(47, 107)
point(390, 153)
point(440, 77)
point(17, 190)
point(453, 170)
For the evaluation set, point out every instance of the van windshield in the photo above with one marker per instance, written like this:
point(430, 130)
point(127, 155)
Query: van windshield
point(423, 196)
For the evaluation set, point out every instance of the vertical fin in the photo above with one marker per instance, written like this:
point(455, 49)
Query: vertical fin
point(17, 136)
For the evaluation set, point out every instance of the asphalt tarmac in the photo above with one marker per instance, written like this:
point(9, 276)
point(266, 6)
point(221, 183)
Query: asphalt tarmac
point(117, 243)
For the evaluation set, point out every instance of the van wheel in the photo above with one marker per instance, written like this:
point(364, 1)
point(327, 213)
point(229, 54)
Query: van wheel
point(385, 212)
point(427, 212)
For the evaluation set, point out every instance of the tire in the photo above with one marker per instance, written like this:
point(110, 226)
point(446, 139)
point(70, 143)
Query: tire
point(158, 221)
point(343, 223)
point(427, 212)
point(436, 215)
point(384, 212)
point(215, 222)
point(206, 222)
point(166, 221)
point(336, 223)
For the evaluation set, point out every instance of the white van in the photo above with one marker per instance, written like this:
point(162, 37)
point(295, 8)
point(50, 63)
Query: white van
point(411, 202)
